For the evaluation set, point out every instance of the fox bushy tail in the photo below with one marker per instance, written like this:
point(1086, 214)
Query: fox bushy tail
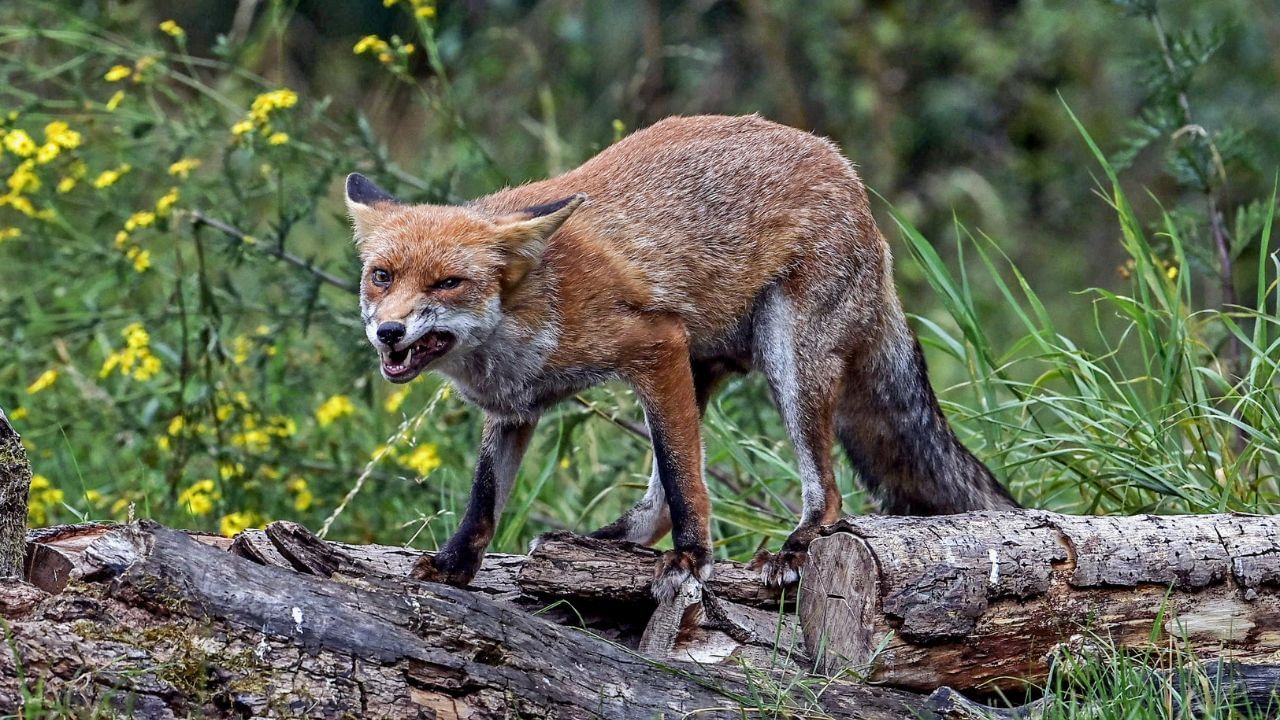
point(889, 422)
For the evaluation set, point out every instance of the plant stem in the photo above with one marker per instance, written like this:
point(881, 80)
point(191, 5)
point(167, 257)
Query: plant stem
point(1221, 241)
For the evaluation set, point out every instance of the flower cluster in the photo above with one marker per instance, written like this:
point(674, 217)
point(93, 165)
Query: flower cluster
point(135, 358)
point(260, 113)
point(336, 407)
point(43, 498)
point(234, 523)
point(394, 54)
point(25, 180)
point(125, 240)
point(199, 497)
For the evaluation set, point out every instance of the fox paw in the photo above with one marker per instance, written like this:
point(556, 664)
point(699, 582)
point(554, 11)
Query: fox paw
point(675, 567)
point(780, 568)
point(441, 568)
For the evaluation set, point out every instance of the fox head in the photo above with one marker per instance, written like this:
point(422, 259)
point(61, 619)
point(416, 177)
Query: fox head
point(434, 277)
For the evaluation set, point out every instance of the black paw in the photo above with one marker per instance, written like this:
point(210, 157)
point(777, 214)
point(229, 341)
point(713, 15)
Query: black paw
point(675, 567)
point(445, 568)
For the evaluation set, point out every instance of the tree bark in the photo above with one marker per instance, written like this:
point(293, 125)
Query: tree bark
point(157, 624)
point(978, 600)
point(15, 478)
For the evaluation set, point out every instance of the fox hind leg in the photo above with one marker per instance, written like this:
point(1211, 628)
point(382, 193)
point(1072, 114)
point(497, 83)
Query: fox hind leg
point(803, 369)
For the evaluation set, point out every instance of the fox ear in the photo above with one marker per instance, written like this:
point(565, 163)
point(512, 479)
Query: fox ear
point(523, 234)
point(365, 203)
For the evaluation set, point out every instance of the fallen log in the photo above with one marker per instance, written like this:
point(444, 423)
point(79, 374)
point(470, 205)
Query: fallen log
point(976, 601)
point(15, 478)
point(156, 624)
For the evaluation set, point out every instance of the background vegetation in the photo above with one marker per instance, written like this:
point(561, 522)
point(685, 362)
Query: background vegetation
point(180, 336)
point(1080, 196)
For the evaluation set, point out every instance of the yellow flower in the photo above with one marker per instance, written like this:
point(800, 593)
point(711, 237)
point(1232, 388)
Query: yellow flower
point(1171, 272)
point(47, 378)
point(135, 359)
point(199, 497)
point(47, 152)
point(115, 101)
point(334, 408)
point(233, 524)
point(9, 233)
point(389, 3)
point(278, 138)
point(117, 73)
point(252, 440)
point(371, 43)
point(228, 470)
point(422, 460)
point(172, 29)
point(19, 413)
point(141, 260)
point(267, 103)
point(66, 184)
point(122, 238)
point(302, 496)
point(61, 134)
point(141, 66)
point(241, 128)
point(183, 167)
point(163, 443)
point(240, 348)
point(396, 399)
point(408, 48)
point(19, 203)
point(107, 178)
point(93, 497)
point(142, 218)
point(166, 201)
point(282, 426)
point(136, 336)
point(24, 178)
point(426, 11)
point(20, 143)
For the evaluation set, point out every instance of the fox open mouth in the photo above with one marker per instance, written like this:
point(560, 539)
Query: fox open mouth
point(404, 365)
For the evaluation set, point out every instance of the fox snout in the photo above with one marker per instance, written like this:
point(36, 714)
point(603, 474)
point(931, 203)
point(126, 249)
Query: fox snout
point(390, 333)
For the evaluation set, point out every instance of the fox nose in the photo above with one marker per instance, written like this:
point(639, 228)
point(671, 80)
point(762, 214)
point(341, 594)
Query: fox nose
point(391, 333)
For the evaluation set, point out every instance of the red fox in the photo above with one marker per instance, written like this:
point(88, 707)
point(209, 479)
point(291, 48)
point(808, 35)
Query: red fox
point(688, 251)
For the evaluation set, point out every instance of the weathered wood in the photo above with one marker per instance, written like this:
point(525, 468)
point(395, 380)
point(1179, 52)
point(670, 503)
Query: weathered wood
point(976, 600)
point(159, 625)
point(15, 479)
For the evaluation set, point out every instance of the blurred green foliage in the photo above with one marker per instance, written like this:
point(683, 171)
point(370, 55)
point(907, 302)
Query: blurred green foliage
point(175, 266)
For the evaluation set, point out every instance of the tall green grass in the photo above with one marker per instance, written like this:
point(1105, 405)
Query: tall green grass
point(1129, 405)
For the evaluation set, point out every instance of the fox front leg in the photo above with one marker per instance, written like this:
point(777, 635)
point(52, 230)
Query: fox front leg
point(501, 449)
point(664, 383)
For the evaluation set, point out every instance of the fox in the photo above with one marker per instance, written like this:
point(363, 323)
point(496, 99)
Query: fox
point(690, 251)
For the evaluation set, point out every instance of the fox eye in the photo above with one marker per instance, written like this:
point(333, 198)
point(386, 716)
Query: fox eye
point(380, 277)
point(447, 283)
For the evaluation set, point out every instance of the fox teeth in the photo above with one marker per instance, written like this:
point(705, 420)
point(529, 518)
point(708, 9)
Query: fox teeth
point(408, 357)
